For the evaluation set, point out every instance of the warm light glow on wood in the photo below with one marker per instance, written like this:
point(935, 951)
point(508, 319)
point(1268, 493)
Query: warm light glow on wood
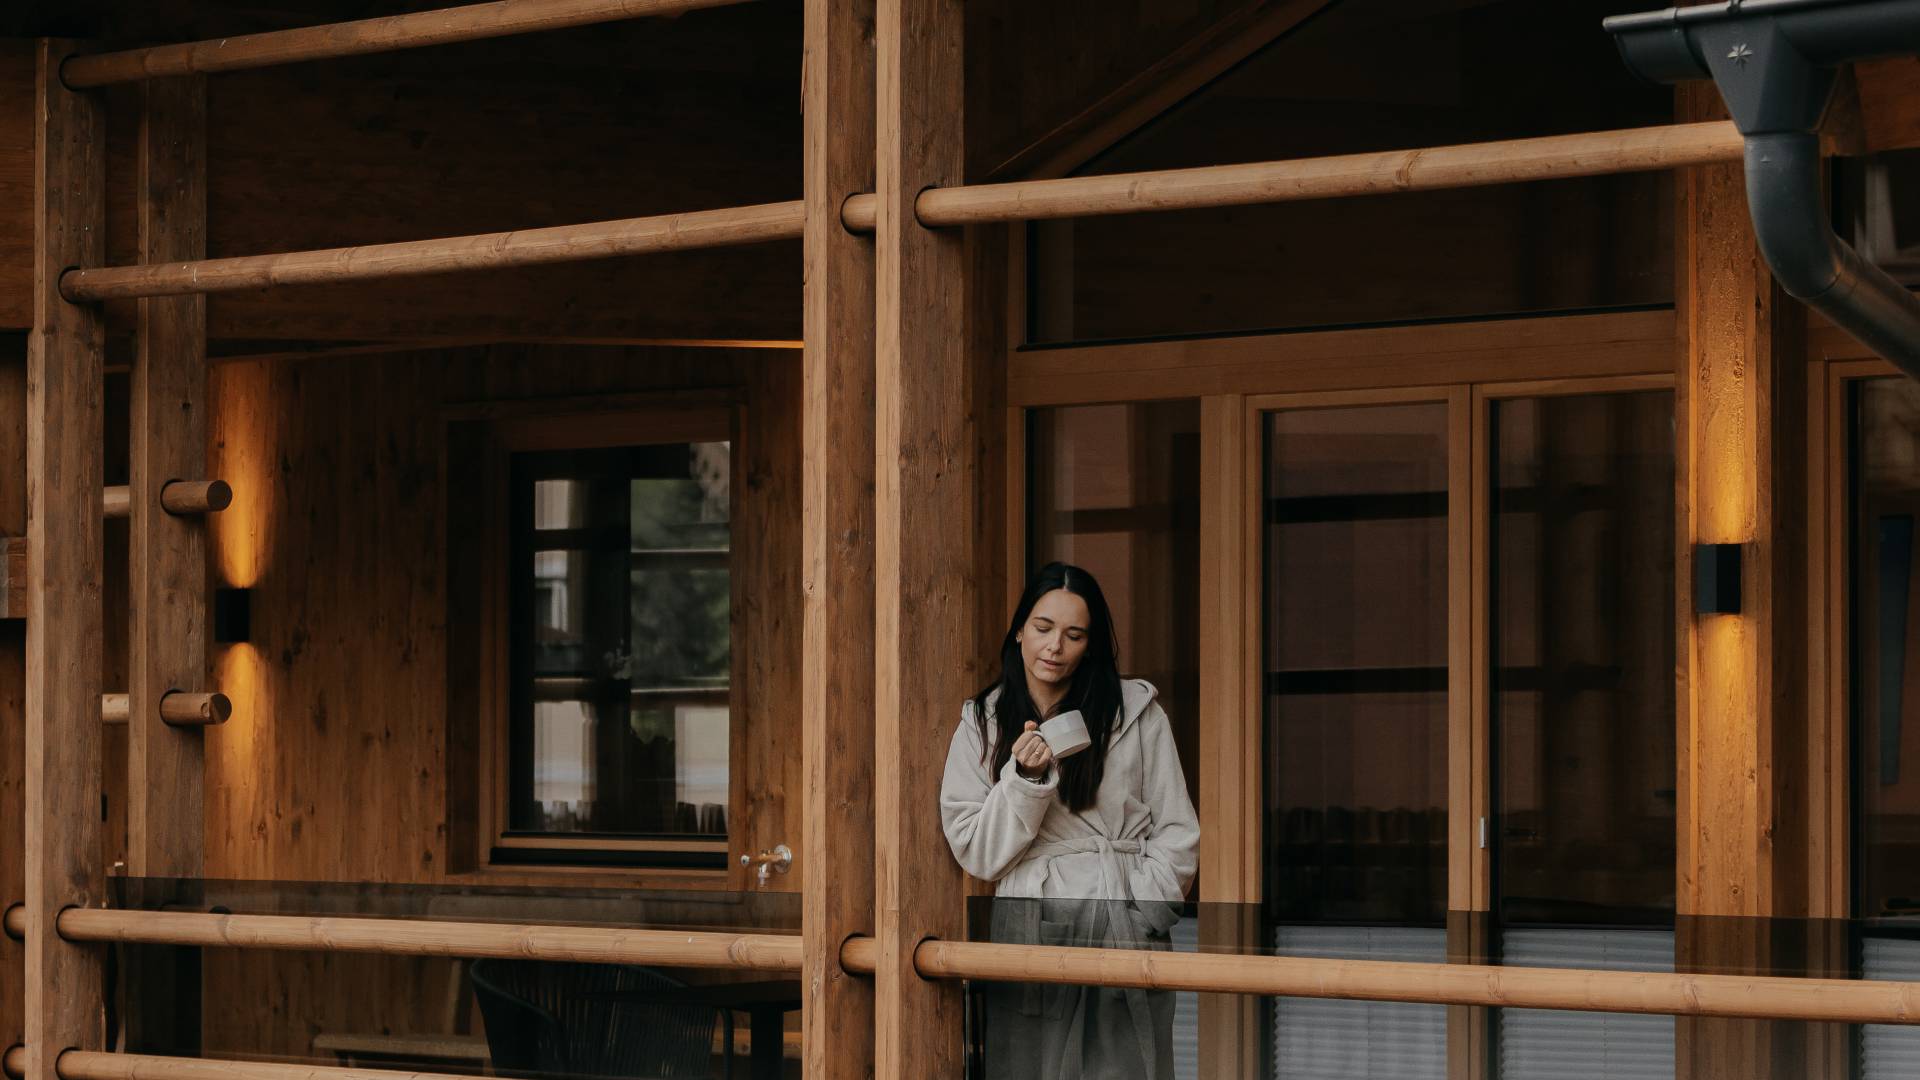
point(243, 456)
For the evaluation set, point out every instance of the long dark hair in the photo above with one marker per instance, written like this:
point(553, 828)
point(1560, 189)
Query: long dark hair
point(1095, 689)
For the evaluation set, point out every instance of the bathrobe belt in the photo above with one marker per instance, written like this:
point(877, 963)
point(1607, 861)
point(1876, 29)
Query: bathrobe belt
point(1114, 928)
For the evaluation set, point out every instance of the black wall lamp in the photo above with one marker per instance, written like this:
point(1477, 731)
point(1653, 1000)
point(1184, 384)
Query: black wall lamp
point(232, 615)
point(1716, 579)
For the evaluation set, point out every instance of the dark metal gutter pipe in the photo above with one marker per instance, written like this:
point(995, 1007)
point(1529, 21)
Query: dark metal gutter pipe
point(1776, 63)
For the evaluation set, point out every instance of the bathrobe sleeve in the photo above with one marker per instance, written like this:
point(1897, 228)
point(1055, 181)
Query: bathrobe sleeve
point(989, 824)
point(1172, 847)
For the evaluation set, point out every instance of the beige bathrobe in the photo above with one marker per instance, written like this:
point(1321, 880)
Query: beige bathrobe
point(1112, 875)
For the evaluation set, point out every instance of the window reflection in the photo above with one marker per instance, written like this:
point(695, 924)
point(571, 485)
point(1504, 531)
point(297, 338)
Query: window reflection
point(1355, 648)
point(1356, 653)
point(1583, 716)
point(1116, 489)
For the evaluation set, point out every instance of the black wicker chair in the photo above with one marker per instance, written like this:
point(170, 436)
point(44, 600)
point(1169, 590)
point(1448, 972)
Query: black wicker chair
point(568, 1019)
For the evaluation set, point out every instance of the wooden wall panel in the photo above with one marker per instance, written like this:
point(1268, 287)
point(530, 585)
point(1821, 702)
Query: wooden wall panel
point(338, 526)
point(13, 674)
point(634, 118)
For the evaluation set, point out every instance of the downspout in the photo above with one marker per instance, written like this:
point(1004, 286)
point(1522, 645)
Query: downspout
point(1776, 63)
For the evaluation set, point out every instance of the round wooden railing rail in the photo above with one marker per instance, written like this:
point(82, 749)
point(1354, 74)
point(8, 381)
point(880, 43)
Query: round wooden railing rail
point(358, 38)
point(419, 937)
point(1854, 1001)
point(487, 251)
point(94, 1065)
point(179, 497)
point(178, 708)
point(1552, 157)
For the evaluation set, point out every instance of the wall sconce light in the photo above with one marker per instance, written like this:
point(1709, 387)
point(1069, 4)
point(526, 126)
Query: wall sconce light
point(232, 615)
point(1716, 579)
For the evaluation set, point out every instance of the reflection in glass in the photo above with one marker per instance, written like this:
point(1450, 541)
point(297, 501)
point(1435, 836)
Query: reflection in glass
point(1373, 75)
point(623, 642)
point(1884, 492)
point(1355, 648)
point(1116, 489)
point(1356, 663)
point(1583, 715)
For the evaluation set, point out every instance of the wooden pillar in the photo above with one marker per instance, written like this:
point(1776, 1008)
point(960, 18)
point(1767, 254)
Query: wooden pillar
point(167, 584)
point(924, 533)
point(168, 576)
point(64, 556)
point(1230, 797)
point(837, 704)
point(1740, 459)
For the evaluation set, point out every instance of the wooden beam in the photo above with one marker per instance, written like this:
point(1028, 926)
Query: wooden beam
point(1552, 157)
point(837, 703)
point(1162, 85)
point(374, 262)
point(924, 506)
point(426, 937)
point(1889, 95)
point(358, 38)
point(65, 440)
point(167, 580)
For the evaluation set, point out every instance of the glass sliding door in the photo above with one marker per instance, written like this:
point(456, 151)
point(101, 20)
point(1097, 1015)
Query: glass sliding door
point(1354, 646)
point(1582, 655)
point(1883, 422)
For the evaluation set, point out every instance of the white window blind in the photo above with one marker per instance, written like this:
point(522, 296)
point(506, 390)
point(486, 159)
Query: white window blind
point(1542, 1044)
point(1887, 1051)
point(1325, 1039)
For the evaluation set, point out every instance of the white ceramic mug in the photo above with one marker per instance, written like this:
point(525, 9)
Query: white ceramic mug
point(1066, 734)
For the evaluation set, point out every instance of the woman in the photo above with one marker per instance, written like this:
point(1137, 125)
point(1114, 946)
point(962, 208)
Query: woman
point(1097, 849)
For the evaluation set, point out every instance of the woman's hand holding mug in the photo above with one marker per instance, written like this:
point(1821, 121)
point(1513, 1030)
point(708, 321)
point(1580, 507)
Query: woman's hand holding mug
point(1031, 754)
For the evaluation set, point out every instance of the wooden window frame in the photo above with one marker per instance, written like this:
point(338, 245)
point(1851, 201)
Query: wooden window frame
point(497, 431)
point(1466, 365)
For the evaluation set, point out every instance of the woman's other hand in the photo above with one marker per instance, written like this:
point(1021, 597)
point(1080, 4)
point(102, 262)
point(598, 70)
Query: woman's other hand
point(1032, 757)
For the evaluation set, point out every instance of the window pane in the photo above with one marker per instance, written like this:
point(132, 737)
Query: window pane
point(1583, 715)
point(1116, 489)
point(1583, 641)
point(1885, 639)
point(1355, 621)
point(1371, 75)
point(623, 642)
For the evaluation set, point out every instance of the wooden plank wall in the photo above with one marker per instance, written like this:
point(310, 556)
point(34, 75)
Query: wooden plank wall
point(13, 675)
point(345, 673)
point(295, 153)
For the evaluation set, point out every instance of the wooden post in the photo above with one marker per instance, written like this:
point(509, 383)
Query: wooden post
point(1230, 864)
point(836, 850)
point(924, 536)
point(1740, 460)
point(65, 431)
point(168, 577)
